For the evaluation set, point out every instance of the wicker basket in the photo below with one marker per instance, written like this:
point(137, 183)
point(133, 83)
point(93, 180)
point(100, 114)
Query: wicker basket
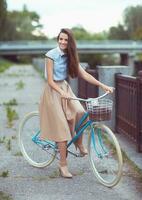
point(99, 109)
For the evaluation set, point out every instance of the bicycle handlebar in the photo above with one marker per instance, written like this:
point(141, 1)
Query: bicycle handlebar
point(90, 99)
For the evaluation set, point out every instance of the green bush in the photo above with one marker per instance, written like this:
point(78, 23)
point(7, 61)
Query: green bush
point(4, 65)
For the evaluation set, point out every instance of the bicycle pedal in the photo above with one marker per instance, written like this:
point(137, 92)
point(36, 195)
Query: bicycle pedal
point(46, 147)
point(79, 155)
point(106, 155)
point(100, 156)
point(57, 150)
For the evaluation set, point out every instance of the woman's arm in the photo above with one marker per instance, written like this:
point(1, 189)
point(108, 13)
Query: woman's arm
point(89, 78)
point(51, 82)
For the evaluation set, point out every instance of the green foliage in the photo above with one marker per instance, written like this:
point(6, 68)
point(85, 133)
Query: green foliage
point(4, 65)
point(133, 19)
point(91, 59)
point(18, 153)
point(4, 196)
point(139, 56)
point(25, 59)
point(19, 25)
point(118, 33)
point(3, 9)
point(20, 85)
point(13, 137)
point(27, 24)
point(101, 36)
point(55, 174)
point(8, 144)
point(110, 59)
point(3, 17)
point(132, 28)
point(81, 34)
point(11, 116)
point(137, 35)
point(4, 174)
point(2, 140)
point(12, 102)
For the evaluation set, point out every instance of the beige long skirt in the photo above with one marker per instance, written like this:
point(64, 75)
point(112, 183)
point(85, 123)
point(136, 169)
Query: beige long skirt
point(58, 116)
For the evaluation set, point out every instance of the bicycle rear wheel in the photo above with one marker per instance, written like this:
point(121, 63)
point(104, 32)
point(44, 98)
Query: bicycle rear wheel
point(36, 154)
point(105, 155)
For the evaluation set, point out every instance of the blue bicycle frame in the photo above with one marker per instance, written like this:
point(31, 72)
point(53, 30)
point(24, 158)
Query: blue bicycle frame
point(79, 129)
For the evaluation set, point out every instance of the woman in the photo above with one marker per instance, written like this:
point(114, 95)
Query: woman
point(58, 115)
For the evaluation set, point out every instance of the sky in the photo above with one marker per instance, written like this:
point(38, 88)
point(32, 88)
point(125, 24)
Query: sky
point(93, 15)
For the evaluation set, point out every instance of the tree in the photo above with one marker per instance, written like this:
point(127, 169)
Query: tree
point(81, 34)
point(118, 33)
point(137, 35)
point(26, 24)
point(132, 28)
point(133, 20)
point(3, 18)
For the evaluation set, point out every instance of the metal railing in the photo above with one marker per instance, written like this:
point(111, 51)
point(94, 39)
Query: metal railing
point(40, 47)
point(85, 89)
point(129, 107)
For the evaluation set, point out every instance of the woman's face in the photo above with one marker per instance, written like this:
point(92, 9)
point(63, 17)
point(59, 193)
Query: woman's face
point(63, 41)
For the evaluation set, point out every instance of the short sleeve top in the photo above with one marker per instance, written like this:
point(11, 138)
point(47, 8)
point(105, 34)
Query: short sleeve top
point(60, 64)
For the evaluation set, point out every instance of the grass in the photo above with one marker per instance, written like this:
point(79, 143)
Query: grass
point(18, 74)
point(4, 174)
point(2, 140)
point(20, 85)
point(13, 137)
point(12, 102)
point(11, 116)
point(18, 153)
point(136, 171)
point(54, 174)
point(80, 173)
point(8, 144)
point(13, 75)
point(4, 65)
point(4, 196)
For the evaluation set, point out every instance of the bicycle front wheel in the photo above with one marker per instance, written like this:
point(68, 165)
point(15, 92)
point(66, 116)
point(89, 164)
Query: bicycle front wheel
point(105, 155)
point(34, 153)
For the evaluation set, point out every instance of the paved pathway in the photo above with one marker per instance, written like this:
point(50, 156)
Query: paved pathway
point(24, 182)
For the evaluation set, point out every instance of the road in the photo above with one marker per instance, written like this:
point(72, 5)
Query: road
point(22, 181)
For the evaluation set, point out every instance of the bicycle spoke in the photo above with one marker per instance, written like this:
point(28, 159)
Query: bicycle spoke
point(107, 164)
point(31, 146)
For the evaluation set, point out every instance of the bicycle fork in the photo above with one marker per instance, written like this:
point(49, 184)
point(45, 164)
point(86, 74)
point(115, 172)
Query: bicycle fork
point(101, 150)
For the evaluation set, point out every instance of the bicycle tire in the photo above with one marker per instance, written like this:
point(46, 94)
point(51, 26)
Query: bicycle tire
point(105, 155)
point(34, 154)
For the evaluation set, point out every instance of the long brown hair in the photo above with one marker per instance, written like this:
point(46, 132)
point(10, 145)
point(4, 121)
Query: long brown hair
point(73, 59)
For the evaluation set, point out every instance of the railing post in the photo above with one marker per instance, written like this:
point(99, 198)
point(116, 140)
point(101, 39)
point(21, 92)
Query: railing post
point(139, 111)
point(116, 100)
point(123, 59)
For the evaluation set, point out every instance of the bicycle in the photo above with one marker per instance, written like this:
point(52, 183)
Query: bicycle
point(103, 148)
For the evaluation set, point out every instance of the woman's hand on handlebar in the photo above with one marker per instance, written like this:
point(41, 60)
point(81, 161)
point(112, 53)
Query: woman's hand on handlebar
point(107, 88)
point(65, 95)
